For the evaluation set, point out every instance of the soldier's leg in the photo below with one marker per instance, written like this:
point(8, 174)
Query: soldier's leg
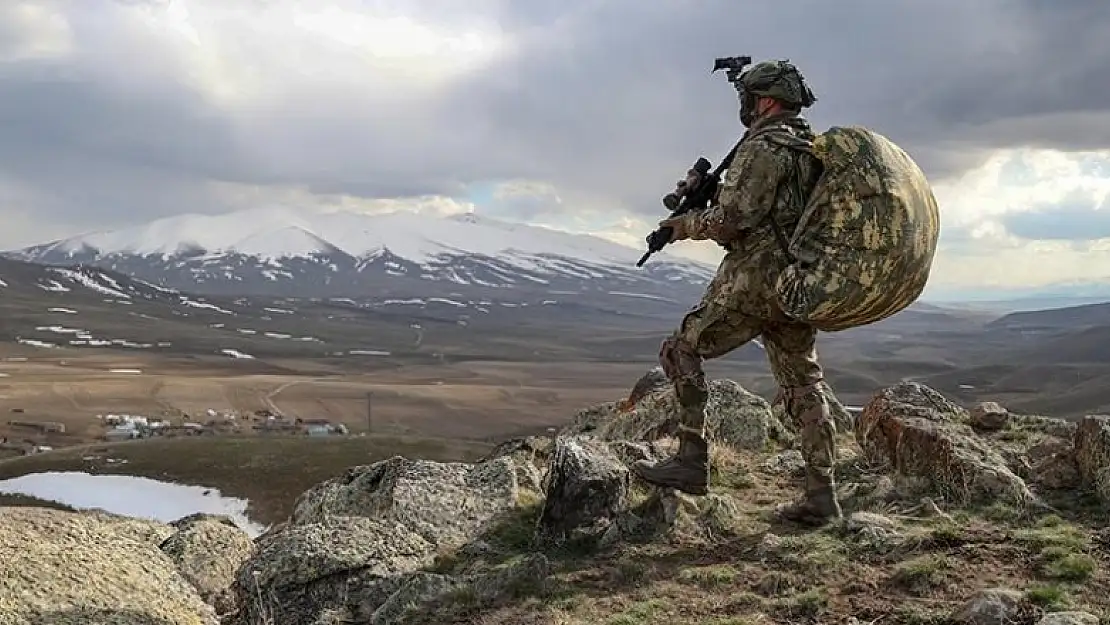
point(708, 331)
point(792, 352)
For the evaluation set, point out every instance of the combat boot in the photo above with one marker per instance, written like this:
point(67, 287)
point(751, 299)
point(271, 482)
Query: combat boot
point(819, 505)
point(687, 470)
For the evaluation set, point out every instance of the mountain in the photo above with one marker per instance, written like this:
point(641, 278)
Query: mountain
point(1055, 319)
point(279, 252)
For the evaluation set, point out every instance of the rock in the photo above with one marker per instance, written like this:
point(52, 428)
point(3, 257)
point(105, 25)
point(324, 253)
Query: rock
point(71, 567)
point(446, 503)
point(418, 591)
point(996, 606)
point(988, 416)
point(789, 462)
point(1092, 454)
point(352, 540)
point(1056, 471)
point(527, 454)
point(208, 550)
point(733, 416)
point(878, 533)
point(423, 592)
point(769, 545)
point(586, 492)
point(630, 453)
point(920, 434)
point(1068, 618)
point(339, 563)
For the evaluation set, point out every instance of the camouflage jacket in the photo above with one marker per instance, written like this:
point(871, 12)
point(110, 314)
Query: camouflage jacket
point(772, 166)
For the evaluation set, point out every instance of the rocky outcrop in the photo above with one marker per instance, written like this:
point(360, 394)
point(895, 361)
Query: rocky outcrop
point(1092, 454)
point(390, 541)
point(924, 435)
point(733, 416)
point(208, 550)
point(586, 493)
point(354, 541)
point(73, 567)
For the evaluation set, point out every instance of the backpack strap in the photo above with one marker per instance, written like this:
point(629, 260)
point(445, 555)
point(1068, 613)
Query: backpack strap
point(780, 136)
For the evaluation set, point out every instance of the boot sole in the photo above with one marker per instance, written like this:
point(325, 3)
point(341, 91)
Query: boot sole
point(690, 490)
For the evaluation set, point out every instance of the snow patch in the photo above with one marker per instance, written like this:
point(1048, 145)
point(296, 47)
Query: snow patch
point(206, 305)
point(88, 282)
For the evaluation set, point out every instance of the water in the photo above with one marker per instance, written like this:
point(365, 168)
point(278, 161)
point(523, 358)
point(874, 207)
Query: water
point(131, 496)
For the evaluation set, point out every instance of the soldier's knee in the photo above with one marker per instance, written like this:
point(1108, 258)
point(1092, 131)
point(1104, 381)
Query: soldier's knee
point(679, 359)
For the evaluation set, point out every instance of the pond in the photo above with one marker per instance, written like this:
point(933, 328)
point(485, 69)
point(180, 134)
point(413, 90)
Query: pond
point(131, 496)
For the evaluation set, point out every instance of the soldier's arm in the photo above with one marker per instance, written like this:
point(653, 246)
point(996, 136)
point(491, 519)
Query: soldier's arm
point(746, 194)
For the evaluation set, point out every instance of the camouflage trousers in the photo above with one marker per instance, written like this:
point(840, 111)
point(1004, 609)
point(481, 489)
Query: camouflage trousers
point(712, 330)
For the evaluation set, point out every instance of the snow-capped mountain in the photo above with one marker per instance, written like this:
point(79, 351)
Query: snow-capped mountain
point(285, 253)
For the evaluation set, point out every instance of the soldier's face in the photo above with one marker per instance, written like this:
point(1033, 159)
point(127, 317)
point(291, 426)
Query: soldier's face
point(747, 109)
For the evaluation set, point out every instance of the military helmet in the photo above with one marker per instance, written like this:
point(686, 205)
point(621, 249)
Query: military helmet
point(779, 80)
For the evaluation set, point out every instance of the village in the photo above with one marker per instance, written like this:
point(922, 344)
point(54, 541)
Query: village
point(26, 437)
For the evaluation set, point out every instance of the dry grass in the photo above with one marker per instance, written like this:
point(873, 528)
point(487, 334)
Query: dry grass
point(487, 400)
point(829, 575)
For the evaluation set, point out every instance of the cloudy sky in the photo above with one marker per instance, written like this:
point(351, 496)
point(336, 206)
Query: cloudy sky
point(579, 114)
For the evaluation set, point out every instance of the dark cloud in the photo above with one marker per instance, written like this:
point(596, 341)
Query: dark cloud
point(607, 101)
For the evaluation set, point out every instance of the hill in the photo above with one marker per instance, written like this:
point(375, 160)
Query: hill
point(1008, 528)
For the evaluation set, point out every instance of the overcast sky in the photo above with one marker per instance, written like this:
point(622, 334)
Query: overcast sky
point(572, 113)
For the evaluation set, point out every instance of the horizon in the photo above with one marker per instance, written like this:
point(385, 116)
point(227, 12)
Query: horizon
point(1063, 294)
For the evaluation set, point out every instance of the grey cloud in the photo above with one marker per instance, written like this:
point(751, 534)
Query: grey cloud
point(605, 100)
point(1077, 218)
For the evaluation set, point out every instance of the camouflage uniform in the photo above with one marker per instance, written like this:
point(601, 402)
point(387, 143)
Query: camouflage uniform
point(769, 178)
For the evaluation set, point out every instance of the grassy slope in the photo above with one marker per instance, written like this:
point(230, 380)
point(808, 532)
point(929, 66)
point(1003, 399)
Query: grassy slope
point(268, 471)
point(735, 575)
point(744, 576)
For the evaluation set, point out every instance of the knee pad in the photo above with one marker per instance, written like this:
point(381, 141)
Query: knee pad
point(679, 360)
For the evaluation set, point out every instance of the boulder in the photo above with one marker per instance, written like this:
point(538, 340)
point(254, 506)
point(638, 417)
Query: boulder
point(924, 435)
point(994, 606)
point(343, 564)
point(424, 592)
point(353, 541)
point(208, 550)
point(733, 416)
point(988, 416)
point(527, 454)
point(1092, 453)
point(586, 493)
point(447, 503)
point(71, 567)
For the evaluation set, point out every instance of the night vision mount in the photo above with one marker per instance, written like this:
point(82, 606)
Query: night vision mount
point(733, 66)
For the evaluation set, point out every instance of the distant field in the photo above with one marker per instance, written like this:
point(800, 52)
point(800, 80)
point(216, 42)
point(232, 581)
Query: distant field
point(270, 472)
point(472, 400)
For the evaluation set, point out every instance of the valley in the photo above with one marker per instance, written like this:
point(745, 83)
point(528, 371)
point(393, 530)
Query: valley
point(459, 327)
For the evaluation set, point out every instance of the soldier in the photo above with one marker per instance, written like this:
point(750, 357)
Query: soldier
point(759, 202)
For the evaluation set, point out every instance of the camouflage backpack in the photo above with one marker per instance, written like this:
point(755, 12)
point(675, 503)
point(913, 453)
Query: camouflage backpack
point(863, 248)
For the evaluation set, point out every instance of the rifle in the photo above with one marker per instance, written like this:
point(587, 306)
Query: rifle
point(694, 192)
